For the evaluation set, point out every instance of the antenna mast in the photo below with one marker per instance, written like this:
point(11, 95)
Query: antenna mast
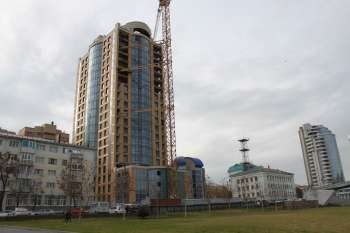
point(244, 149)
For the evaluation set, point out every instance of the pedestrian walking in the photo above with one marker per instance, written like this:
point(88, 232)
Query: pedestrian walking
point(68, 217)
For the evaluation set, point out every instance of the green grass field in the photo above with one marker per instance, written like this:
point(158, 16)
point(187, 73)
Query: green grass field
point(332, 220)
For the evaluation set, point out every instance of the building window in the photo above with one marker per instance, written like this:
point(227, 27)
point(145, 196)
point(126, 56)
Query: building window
point(53, 161)
point(39, 159)
point(14, 143)
point(28, 143)
point(50, 185)
point(52, 172)
point(39, 172)
point(64, 162)
point(27, 157)
point(41, 147)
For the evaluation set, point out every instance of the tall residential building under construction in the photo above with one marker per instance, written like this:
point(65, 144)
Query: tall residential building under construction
point(119, 104)
point(321, 156)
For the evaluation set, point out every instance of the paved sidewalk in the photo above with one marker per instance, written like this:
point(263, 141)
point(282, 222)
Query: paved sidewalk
point(5, 229)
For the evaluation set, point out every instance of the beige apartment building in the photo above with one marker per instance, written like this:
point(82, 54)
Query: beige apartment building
point(46, 131)
point(119, 104)
point(41, 170)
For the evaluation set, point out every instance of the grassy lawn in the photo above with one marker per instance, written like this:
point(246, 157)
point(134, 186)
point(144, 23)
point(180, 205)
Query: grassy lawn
point(332, 220)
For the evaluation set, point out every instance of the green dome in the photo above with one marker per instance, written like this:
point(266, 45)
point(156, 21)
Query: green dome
point(238, 167)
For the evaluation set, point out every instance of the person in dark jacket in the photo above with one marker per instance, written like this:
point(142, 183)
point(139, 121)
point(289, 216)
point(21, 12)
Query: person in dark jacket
point(68, 216)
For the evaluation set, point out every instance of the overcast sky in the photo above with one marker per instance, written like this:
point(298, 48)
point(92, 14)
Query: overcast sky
point(258, 69)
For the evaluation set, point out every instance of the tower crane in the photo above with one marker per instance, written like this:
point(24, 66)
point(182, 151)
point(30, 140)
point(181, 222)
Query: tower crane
point(168, 88)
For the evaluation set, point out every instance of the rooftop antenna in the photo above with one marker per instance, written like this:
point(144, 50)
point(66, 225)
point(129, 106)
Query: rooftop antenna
point(244, 149)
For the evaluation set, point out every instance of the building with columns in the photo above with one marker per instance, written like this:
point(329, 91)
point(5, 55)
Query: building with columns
point(256, 183)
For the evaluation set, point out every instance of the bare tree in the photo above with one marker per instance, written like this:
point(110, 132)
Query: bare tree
point(77, 181)
point(37, 191)
point(88, 183)
point(8, 168)
point(21, 185)
point(215, 190)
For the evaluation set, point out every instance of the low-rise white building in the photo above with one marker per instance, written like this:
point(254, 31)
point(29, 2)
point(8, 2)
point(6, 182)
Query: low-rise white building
point(42, 165)
point(255, 183)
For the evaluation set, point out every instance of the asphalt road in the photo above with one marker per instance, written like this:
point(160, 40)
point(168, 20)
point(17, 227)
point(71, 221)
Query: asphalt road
point(22, 230)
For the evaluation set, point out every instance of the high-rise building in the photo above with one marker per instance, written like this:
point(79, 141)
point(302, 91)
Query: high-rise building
point(45, 131)
point(321, 155)
point(119, 103)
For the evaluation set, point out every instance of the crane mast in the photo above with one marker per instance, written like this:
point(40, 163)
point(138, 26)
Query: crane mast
point(167, 67)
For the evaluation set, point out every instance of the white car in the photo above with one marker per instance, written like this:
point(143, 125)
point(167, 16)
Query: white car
point(43, 212)
point(6, 213)
point(22, 212)
point(99, 207)
point(117, 210)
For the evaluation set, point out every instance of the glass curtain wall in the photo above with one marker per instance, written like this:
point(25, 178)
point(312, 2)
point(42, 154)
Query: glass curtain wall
point(334, 158)
point(141, 143)
point(92, 99)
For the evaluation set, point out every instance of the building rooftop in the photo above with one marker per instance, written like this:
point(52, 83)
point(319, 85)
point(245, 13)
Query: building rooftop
point(6, 131)
point(258, 169)
point(138, 26)
point(240, 167)
point(52, 142)
point(181, 161)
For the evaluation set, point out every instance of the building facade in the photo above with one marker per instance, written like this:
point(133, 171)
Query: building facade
point(139, 184)
point(191, 178)
point(344, 194)
point(4, 131)
point(119, 107)
point(261, 184)
point(321, 156)
point(45, 131)
point(41, 169)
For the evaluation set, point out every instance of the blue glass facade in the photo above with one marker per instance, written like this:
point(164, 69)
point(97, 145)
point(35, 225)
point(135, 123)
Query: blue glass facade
point(334, 158)
point(92, 99)
point(151, 183)
point(141, 122)
point(141, 184)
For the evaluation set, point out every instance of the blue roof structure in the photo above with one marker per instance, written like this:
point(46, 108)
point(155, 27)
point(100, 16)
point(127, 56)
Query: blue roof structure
point(197, 162)
point(181, 161)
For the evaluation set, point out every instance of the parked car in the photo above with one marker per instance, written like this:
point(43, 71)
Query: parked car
point(43, 212)
point(99, 207)
point(118, 209)
point(22, 212)
point(6, 213)
point(132, 208)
